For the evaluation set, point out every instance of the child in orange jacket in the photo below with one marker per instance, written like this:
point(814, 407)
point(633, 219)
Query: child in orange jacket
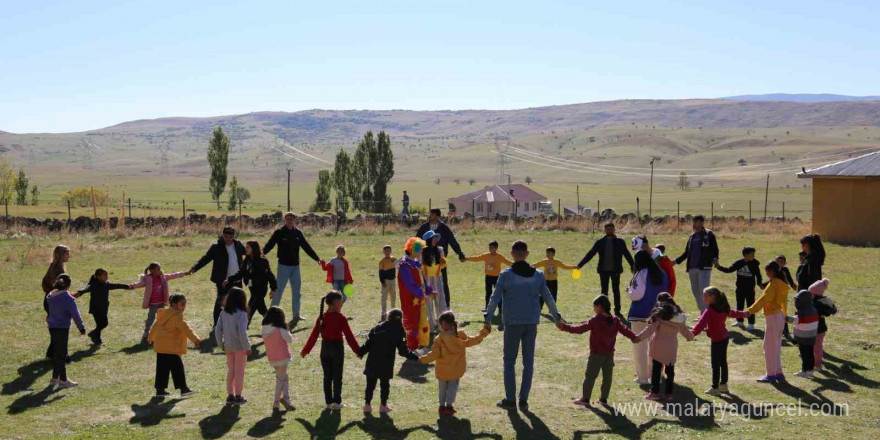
point(168, 337)
point(449, 351)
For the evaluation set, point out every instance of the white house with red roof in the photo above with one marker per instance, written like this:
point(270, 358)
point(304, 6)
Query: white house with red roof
point(501, 200)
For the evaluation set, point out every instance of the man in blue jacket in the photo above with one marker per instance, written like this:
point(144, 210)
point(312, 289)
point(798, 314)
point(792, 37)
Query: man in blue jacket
point(447, 239)
point(612, 250)
point(521, 287)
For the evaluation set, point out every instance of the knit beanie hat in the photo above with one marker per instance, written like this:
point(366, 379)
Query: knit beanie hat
point(818, 288)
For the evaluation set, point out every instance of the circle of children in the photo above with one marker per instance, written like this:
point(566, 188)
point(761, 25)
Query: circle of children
point(655, 320)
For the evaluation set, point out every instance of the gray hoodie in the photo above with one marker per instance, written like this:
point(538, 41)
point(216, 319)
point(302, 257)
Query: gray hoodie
point(231, 331)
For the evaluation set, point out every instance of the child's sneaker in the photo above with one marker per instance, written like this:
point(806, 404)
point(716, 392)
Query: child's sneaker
point(805, 374)
point(669, 396)
point(368, 409)
point(186, 392)
point(337, 406)
point(162, 393)
point(580, 401)
point(750, 327)
point(739, 325)
point(713, 392)
point(385, 409)
point(450, 410)
point(54, 381)
point(230, 399)
point(780, 377)
point(603, 401)
point(652, 396)
point(329, 406)
point(767, 379)
point(287, 405)
point(240, 400)
point(68, 384)
point(506, 404)
point(722, 388)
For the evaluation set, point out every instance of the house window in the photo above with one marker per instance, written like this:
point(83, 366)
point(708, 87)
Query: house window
point(534, 206)
point(479, 207)
point(527, 206)
point(490, 208)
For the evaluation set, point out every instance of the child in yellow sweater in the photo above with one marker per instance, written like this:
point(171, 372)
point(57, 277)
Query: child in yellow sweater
point(449, 351)
point(388, 280)
point(493, 261)
point(551, 268)
point(773, 302)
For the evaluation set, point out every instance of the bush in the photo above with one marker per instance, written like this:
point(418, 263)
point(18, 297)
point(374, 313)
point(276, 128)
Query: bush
point(82, 197)
point(418, 209)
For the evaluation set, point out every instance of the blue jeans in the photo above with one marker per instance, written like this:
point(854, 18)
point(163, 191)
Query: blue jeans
point(340, 286)
point(514, 335)
point(289, 274)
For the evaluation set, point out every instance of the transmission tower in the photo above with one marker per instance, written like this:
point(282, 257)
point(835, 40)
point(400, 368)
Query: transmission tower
point(163, 157)
point(502, 161)
point(87, 148)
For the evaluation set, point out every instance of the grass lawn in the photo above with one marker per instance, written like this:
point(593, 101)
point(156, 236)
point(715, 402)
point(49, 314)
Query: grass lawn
point(115, 398)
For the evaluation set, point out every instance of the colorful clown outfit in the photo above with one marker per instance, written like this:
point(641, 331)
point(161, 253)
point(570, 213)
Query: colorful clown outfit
point(412, 296)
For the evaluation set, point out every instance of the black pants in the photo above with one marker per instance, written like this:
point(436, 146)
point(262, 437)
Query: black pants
point(170, 363)
point(101, 322)
point(808, 359)
point(744, 299)
point(332, 362)
point(59, 346)
point(656, 368)
point(257, 303)
point(719, 362)
point(384, 389)
point(614, 277)
point(446, 287)
point(490, 288)
point(221, 293)
point(553, 287)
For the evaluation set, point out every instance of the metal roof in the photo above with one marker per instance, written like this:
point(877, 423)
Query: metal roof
point(867, 165)
point(499, 193)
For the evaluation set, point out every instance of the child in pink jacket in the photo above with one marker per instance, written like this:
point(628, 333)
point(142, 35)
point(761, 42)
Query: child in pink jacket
point(277, 339)
point(664, 325)
point(714, 321)
point(156, 293)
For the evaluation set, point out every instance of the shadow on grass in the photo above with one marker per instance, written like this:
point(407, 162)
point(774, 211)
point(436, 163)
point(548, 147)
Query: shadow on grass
point(30, 372)
point(693, 419)
point(383, 427)
point(414, 371)
point(740, 407)
point(618, 424)
point(153, 412)
point(737, 338)
point(136, 348)
point(846, 371)
point(34, 400)
point(814, 401)
point(218, 425)
point(454, 428)
point(327, 425)
point(535, 429)
point(267, 425)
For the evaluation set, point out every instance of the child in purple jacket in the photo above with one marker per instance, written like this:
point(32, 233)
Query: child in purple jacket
point(61, 308)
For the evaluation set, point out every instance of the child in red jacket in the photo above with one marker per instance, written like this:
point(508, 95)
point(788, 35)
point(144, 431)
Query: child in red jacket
point(713, 320)
point(338, 272)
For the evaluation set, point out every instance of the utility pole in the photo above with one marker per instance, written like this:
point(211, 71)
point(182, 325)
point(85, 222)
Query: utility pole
point(579, 199)
point(651, 193)
point(288, 189)
point(766, 196)
point(513, 203)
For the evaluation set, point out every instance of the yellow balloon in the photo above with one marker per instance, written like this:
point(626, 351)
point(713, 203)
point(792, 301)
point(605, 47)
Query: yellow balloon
point(576, 274)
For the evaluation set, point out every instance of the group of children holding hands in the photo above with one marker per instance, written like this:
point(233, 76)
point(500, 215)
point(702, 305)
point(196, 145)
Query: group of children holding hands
point(407, 331)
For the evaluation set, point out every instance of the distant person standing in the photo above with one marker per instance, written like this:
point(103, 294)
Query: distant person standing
point(447, 238)
point(289, 240)
point(405, 204)
point(612, 250)
point(226, 256)
point(701, 253)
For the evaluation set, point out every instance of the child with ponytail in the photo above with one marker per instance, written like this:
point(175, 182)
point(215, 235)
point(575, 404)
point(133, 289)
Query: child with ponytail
point(332, 327)
point(449, 351)
point(99, 302)
point(384, 341)
point(156, 293)
point(277, 339)
point(714, 321)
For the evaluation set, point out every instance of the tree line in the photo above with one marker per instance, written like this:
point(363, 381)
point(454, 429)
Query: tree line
point(360, 181)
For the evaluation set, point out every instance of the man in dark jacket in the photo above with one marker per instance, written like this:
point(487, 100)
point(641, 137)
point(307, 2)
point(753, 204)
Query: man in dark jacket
point(226, 255)
point(290, 240)
point(701, 253)
point(446, 239)
point(612, 250)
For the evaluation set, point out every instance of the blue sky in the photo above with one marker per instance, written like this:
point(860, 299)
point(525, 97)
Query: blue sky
point(74, 66)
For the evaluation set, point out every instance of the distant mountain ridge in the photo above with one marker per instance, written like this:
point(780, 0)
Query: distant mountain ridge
point(802, 97)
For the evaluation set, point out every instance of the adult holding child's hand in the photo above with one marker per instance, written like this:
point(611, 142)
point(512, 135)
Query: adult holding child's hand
point(447, 240)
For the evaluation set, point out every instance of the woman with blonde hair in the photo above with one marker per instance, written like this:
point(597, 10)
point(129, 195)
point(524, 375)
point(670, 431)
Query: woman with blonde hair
point(60, 256)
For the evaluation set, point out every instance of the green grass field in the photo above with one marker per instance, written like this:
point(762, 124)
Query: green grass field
point(115, 399)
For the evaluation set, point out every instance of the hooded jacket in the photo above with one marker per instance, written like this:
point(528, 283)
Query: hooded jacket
point(520, 289)
point(276, 341)
point(450, 353)
point(220, 257)
point(807, 318)
point(643, 294)
point(663, 347)
point(384, 342)
point(62, 308)
point(256, 274)
point(99, 300)
point(170, 332)
point(147, 283)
